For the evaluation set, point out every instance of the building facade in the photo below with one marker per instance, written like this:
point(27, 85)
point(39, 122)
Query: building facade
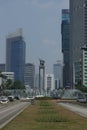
point(77, 72)
point(15, 55)
point(49, 83)
point(65, 32)
point(29, 76)
point(9, 75)
point(78, 32)
point(84, 65)
point(2, 67)
point(58, 74)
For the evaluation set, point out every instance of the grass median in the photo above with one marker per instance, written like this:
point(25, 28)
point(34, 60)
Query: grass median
point(46, 115)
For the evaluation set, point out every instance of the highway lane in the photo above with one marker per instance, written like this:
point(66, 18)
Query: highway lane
point(8, 112)
point(81, 110)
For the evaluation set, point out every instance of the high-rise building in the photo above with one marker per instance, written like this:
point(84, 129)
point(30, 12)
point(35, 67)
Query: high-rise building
point(49, 82)
point(65, 31)
point(15, 54)
point(9, 75)
point(2, 67)
point(77, 72)
point(58, 74)
point(78, 32)
point(84, 65)
point(29, 76)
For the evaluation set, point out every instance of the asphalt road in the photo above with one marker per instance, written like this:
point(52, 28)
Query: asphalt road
point(8, 112)
point(81, 110)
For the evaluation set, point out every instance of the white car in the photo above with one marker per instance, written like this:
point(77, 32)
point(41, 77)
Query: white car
point(4, 100)
point(26, 99)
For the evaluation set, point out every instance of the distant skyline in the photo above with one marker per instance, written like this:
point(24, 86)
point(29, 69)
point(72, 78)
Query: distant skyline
point(41, 23)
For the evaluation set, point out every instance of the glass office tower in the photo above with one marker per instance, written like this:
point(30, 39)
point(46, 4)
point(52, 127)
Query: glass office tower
point(15, 55)
point(65, 31)
point(58, 74)
point(78, 33)
point(29, 76)
point(2, 67)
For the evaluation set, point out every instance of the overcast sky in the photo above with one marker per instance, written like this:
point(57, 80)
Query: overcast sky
point(41, 23)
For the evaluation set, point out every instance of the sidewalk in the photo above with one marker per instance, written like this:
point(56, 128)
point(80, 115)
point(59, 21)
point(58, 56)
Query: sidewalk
point(75, 108)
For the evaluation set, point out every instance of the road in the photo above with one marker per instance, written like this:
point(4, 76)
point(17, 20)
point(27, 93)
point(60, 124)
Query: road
point(81, 110)
point(8, 112)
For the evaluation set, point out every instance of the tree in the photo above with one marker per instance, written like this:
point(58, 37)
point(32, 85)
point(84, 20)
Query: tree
point(81, 87)
point(2, 84)
point(9, 83)
point(17, 85)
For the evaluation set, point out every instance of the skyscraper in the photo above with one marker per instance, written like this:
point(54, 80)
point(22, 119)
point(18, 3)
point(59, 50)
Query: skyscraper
point(65, 31)
point(2, 67)
point(49, 83)
point(29, 76)
point(84, 65)
point(58, 74)
point(78, 32)
point(15, 54)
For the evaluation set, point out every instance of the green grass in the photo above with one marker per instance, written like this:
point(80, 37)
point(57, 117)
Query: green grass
point(46, 115)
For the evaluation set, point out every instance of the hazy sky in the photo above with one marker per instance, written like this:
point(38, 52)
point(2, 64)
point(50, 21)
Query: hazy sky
point(41, 23)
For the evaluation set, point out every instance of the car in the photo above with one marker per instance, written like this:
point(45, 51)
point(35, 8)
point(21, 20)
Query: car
point(11, 98)
point(82, 100)
point(17, 97)
point(25, 99)
point(4, 100)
